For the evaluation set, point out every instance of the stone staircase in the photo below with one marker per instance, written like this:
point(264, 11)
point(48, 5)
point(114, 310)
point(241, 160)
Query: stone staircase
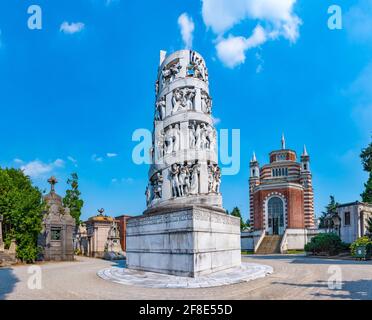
point(270, 245)
point(7, 259)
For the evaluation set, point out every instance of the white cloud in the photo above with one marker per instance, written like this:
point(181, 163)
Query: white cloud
point(73, 160)
point(358, 21)
point(97, 158)
point(72, 27)
point(111, 155)
point(19, 161)
point(276, 16)
point(231, 51)
point(187, 27)
point(37, 168)
point(122, 180)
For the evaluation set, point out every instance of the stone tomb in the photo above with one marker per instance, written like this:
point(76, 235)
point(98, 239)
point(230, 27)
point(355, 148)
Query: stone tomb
point(185, 241)
point(56, 238)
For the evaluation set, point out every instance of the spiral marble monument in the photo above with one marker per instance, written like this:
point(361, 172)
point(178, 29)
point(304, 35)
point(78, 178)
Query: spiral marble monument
point(185, 230)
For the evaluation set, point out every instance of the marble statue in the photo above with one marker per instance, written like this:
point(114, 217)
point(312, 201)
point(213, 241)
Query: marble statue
point(160, 109)
point(175, 170)
point(148, 195)
point(169, 73)
point(160, 142)
point(194, 187)
point(206, 102)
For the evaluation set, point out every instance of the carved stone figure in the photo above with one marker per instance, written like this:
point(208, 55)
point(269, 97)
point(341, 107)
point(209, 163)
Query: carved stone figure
point(175, 170)
point(210, 137)
point(191, 132)
point(214, 178)
point(198, 138)
point(206, 103)
point(177, 101)
point(169, 73)
point(160, 109)
point(188, 98)
point(203, 137)
point(157, 87)
point(194, 187)
point(148, 196)
point(169, 140)
point(158, 186)
point(177, 137)
point(198, 68)
point(160, 144)
point(184, 180)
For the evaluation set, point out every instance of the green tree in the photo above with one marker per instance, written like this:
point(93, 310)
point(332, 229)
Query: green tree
point(236, 213)
point(72, 199)
point(366, 157)
point(367, 194)
point(21, 206)
point(331, 208)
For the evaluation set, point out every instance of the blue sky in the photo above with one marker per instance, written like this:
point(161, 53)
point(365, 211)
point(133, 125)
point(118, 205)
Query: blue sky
point(72, 94)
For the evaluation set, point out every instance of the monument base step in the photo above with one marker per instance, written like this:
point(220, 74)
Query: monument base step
point(188, 241)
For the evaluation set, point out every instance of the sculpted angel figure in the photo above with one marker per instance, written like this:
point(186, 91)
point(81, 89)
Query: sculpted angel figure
point(175, 181)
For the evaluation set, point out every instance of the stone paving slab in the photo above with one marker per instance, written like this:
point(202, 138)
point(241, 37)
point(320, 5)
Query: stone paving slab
point(247, 272)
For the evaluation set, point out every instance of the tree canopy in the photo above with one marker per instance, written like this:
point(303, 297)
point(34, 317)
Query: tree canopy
point(21, 206)
point(72, 198)
point(236, 213)
point(366, 157)
point(331, 208)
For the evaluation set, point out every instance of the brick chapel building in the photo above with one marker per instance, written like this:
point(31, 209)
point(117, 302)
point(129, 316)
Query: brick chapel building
point(281, 192)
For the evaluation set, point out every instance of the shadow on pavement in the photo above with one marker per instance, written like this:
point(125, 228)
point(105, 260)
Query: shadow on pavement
point(302, 259)
point(7, 282)
point(355, 290)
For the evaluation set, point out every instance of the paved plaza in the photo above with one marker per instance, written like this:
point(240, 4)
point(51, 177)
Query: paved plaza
point(294, 277)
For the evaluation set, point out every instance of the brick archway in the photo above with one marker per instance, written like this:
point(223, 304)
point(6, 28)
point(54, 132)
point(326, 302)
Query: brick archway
point(266, 214)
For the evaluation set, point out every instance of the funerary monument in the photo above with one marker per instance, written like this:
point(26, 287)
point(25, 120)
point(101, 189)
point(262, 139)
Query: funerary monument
point(185, 230)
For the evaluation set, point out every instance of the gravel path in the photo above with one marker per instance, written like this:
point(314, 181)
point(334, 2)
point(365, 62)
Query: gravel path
point(294, 277)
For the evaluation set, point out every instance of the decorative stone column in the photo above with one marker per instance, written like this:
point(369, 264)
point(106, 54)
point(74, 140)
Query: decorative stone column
point(185, 140)
point(185, 230)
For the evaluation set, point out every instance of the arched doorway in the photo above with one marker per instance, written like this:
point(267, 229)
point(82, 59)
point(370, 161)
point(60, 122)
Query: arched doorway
point(275, 210)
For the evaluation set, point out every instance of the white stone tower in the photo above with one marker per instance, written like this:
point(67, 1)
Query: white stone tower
point(184, 231)
point(184, 151)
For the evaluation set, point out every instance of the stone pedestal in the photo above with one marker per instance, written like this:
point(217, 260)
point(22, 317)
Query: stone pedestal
point(186, 241)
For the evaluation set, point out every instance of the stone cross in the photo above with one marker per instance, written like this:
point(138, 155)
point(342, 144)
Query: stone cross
point(52, 181)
